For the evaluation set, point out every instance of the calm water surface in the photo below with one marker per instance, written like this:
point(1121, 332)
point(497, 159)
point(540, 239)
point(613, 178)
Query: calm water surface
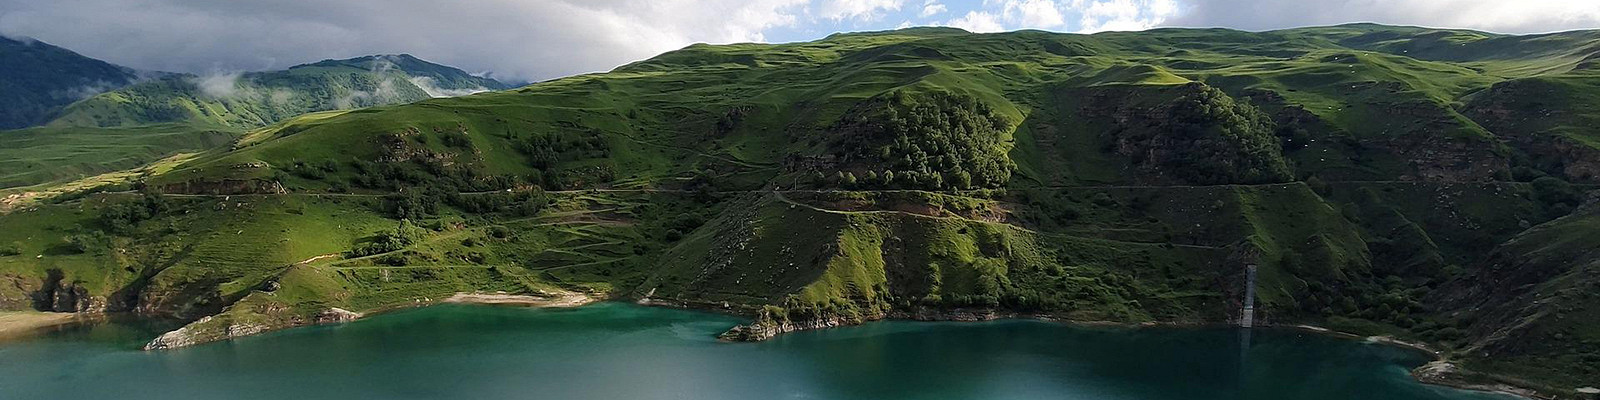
point(621, 351)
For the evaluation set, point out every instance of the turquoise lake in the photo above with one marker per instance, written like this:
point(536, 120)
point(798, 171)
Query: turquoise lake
point(623, 351)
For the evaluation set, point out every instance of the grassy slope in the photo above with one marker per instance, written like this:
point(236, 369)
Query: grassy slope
point(260, 98)
point(48, 154)
point(149, 120)
point(37, 79)
point(1410, 189)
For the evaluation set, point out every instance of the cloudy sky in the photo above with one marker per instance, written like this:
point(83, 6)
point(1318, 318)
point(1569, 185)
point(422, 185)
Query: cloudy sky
point(542, 39)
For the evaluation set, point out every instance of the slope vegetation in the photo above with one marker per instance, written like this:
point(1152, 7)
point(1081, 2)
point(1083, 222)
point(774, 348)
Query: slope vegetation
point(1382, 180)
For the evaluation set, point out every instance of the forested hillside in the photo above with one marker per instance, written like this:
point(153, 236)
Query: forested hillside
point(1419, 183)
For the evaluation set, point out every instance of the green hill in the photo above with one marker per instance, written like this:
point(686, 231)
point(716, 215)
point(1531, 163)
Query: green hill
point(153, 119)
point(252, 99)
point(1378, 178)
point(37, 79)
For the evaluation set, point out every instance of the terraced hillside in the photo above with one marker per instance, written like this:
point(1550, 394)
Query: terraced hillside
point(1425, 184)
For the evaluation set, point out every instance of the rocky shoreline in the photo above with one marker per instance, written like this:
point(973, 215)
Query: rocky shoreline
point(219, 328)
point(1439, 372)
point(226, 326)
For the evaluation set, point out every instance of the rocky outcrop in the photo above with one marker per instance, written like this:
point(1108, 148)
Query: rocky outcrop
point(241, 323)
point(57, 296)
point(336, 315)
point(204, 330)
point(1439, 158)
point(1445, 373)
point(767, 325)
point(767, 328)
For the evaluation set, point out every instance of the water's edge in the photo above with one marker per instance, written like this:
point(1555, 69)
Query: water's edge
point(1438, 372)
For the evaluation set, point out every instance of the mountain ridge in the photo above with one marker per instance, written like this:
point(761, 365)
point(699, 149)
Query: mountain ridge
point(1125, 177)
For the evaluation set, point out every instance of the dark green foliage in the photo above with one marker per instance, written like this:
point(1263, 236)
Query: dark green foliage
point(1558, 196)
point(120, 218)
point(546, 150)
point(519, 203)
point(314, 170)
point(11, 249)
point(92, 241)
point(458, 140)
point(411, 205)
point(1205, 137)
point(385, 242)
point(926, 141)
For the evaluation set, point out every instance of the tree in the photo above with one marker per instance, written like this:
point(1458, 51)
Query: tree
point(961, 180)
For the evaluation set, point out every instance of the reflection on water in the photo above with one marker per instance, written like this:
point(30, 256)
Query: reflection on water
point(621, 351)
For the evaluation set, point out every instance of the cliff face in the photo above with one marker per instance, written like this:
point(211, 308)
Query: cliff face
point(70, 297)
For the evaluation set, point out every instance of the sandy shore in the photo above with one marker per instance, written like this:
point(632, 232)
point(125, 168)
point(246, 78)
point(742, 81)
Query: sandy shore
point(20, 323)
point(558, 299)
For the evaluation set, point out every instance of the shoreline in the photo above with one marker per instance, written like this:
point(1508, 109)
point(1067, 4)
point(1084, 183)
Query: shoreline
point(558, 300)
point(21, 324)
point(572, 299)
point(223, 326)
point(1430, 373)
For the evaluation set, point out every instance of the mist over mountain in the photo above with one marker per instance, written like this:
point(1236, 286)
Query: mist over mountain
point(1432, 186)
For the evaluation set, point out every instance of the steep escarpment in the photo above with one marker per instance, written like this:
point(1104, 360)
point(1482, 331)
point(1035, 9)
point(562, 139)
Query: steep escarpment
point(1529, 302)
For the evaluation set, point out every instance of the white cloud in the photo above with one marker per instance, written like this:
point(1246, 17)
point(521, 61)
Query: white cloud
point(85, 91)
point(514, 38)
point(866, 10)
point(219, 84)
point(978, 21)
point(1033, 13)
point(1123, 15)
point(536, 40)
point(1506, 16)
point(280, 96)
point(1072, 15)
point(428, 85)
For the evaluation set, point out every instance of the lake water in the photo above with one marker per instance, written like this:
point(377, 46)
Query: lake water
point(622, 351)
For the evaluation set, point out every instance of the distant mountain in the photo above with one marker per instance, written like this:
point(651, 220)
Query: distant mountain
point(1424, 184)
point(37, 79)
point(254, 99)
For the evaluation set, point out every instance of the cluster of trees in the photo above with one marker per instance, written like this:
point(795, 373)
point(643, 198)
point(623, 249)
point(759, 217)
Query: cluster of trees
point(545, 150)
point(681, 225)
point(419, 204)
point(1205, 137)
point(428, 174)
point(1558, 197)
point(403, 235)
point(314, 170)
point(120, 218)
point(928, 141)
